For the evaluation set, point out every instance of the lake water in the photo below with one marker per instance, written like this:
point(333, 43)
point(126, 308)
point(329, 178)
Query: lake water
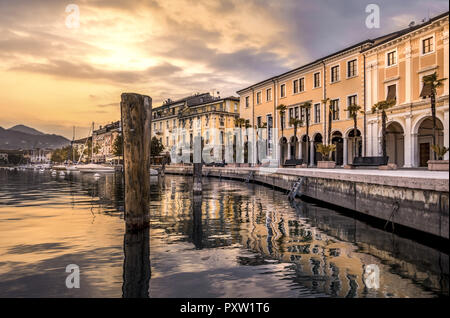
point(237, 240)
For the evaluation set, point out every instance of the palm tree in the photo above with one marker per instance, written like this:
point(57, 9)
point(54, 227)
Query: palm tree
point(353, 112)
point(306, 107)
point(282, 109)
point(433, 83)
point(325, 101)
point(330, 119)
point(382, 106)
point(295, 122)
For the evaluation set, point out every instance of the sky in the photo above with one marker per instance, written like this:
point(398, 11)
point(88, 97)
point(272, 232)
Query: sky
point(55, 74)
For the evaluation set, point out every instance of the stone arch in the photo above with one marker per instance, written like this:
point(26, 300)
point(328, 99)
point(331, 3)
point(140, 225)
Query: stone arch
point(337, 138)
point(352, 145)
point(423, 130)
point(395, 143)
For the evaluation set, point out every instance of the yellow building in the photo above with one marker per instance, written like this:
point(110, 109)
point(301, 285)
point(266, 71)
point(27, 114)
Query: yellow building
point(347, 77)
point(396, 66)
point(176, 123)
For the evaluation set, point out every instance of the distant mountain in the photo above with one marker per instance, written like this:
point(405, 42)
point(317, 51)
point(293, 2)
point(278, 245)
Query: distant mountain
point(26, 130)
point(27, 138)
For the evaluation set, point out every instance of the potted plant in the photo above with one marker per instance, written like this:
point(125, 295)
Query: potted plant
point(326, 151)
point(440, 164)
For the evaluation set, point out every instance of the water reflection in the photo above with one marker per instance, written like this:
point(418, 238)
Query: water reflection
point(136, 265)
point(236, 240)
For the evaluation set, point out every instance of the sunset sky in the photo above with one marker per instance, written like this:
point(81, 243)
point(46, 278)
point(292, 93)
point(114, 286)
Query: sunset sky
point(53, 77)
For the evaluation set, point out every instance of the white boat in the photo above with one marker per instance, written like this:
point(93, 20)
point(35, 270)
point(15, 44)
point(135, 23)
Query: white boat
point(94, 168)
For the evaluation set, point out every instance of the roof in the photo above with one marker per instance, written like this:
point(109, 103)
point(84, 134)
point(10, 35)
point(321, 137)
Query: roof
point(370, 42)
point(196, 100)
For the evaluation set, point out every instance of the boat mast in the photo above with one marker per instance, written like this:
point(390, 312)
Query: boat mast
point(92, 144)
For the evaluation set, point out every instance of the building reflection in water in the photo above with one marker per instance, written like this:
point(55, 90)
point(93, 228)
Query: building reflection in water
point(327, 250)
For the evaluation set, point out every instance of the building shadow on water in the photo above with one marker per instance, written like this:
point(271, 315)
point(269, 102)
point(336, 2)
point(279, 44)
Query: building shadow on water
point(136, 264)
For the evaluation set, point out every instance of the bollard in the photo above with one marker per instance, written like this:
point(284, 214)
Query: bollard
point(136, 111)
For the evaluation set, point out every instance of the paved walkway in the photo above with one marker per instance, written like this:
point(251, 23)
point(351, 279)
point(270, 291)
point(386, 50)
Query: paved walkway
point(409, 173)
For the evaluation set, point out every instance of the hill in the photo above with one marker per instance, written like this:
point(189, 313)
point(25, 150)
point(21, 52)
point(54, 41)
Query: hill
point(27, 138)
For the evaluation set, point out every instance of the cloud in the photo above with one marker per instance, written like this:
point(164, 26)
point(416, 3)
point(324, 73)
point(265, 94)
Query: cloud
point(169, 49)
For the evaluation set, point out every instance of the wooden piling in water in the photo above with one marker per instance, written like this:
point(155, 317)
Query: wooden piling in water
point(197, 172)
point(136, 129)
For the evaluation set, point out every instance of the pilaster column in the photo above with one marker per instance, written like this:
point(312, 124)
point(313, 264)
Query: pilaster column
point(289, 150)
point(445, 68)
point(414, 150)
point(446, 132)
point(300, 151)
point(345, 151)
point(408, 151)
point(311, 153)
point(408, 73)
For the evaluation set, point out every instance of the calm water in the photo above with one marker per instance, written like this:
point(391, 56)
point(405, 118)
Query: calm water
point(239, 240)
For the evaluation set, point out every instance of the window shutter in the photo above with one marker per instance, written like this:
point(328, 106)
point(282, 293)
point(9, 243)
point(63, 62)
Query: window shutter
point(426, 91)
point(391, 95)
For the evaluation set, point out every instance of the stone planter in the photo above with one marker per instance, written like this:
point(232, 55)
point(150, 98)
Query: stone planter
point(438, 165)
point(326, 164)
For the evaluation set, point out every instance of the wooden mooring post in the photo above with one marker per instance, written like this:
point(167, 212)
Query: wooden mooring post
point(136, 111)
point(198, 165)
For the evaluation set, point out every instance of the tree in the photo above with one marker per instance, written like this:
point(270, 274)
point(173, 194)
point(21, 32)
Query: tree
point(117, 147)
point(353, 112)
point(295, 122)
point(282, 110)
point(330, 119)
point(433, 83)
point(156, 147)
point(326, 150)
point(306, 107)
point(381, 107)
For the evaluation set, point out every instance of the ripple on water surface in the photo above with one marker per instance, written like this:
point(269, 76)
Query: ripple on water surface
point(238, 240)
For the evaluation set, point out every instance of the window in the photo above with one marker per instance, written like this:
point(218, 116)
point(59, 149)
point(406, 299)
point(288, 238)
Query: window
point(167, 140)
point(235, 107)
point(335, 109)
point(258, 98)
point(427, 45)
point(301, 84)
point(391, 58)
point(258, 121)
point(268, 94)
point(247, 102)
point(317, 113)
point(316, 79)
point(295, 86)
point(291, 114)
point(296, 112)
point(174, 123)
point(335, 74)
point(283, 90)
point(351, 68)
point(302, 115)
point(351, 100)
point(391, 92)
point(160, 125)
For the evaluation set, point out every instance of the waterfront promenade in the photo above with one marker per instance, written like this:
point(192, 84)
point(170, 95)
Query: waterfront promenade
point(417, 199)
